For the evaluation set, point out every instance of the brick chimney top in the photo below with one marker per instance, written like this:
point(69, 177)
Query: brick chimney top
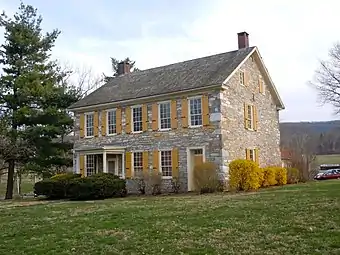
point(123, 68)
point(243, 40)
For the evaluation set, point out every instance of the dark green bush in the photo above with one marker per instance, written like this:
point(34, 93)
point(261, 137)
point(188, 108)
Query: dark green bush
point(52, 189)
point(98, 186)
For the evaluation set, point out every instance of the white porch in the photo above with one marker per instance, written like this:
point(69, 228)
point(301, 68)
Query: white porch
point(106, 159)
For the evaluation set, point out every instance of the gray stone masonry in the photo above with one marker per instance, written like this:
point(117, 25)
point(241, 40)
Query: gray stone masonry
point(235, 138)
point(181, 138)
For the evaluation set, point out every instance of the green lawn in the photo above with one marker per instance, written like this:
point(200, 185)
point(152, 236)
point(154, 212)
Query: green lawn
point(328, 159)
point(295, 219)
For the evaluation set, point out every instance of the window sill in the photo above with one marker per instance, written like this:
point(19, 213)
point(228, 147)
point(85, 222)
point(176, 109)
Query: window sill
point(199, 126)
point(111, 134)
point(136, 132)
point(87, 137)
point(164, 129)
point(166, 177)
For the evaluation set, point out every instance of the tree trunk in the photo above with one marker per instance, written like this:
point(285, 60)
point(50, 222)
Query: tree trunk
point(10, 181)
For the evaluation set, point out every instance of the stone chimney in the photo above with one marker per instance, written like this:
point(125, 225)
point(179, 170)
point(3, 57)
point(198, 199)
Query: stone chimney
point(243, 40)
point(123, 68)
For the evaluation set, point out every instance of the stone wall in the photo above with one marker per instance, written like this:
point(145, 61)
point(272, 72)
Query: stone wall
point(235, 137)
point(210, 138)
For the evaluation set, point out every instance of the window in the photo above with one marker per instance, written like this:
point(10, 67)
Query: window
point(90, 165)
point(137, 119)
point(137, 162)
point(195, 112)
point(252, 154)
point(242, 78)
point(111, 122)
point(89, 124)
point(250, 117)
point(166, 165)
point(164, 115)
point(261, 85)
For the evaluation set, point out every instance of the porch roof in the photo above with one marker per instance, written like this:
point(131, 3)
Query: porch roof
point(102, 148)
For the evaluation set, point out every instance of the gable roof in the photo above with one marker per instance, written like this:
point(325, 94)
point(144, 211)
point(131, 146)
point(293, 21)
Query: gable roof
point(183, 76)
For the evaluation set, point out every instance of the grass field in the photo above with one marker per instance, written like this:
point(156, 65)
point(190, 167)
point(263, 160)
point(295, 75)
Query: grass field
point(328, 159)
point(295, 219)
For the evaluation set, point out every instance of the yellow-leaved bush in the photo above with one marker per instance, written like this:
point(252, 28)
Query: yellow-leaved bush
point(281, 175)
point(269, 176)
point(244, 175)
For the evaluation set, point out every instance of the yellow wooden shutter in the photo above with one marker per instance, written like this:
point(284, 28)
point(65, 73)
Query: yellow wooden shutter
point(104, 120)
point(155, 117)
point(205, 110)
point(260, 84)
point(95, 123)
point(82, 125)
point(255, 117)
point(119, 120)
point(174, 157)
point(145, 162)
point(247, 154)
point(128, 166)
point(82, 165)
point(256, 156)
point(145, 117)
point(245, 77)
point(174, 122)
point(184, 112)
point(155, 161)
point(245, 115)
point(128, 120)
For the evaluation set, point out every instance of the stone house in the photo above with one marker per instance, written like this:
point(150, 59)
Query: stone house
point(168, 119)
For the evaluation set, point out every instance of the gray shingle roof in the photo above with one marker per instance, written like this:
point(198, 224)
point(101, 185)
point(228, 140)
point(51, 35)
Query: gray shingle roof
point(191, 74)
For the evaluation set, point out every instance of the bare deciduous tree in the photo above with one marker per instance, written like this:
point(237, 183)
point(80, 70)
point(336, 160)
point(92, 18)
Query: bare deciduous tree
point(327, 79)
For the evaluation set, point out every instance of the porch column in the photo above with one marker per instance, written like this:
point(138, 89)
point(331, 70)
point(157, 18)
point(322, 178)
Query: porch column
point(104, 162)
point(123, 165)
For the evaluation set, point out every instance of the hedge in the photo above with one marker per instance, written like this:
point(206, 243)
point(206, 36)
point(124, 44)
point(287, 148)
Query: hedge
point(206, 178)
point(244, 175)
point(98, 186)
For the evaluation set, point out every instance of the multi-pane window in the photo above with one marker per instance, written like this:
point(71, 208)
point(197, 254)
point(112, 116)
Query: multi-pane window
point(111, 122)
point(137, 119)
point(241, 78)
point(137, 162)
point(90, 165)
point(165, 115)
point(252, 154)
point(89, 124)
point(195, 111)
point(250, 116)
point(166, 163)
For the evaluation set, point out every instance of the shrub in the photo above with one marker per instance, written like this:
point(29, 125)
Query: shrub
point(104, 185)
point(269, 176)
point(293, 175)
point(141, 181)
point(281, 175)
point(244, 175)
point(175, 185)
point(206, 178)
point(50, 188)
point(156, 183)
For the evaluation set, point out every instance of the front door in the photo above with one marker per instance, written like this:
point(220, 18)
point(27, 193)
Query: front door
point(112, 166)
point(195, 158)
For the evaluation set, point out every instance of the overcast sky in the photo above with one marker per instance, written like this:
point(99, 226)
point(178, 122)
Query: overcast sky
point(291, 37)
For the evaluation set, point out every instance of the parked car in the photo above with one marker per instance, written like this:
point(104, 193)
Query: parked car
point(328, 174)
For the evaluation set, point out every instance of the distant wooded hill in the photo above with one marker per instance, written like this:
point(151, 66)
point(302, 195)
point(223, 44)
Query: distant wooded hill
point(323, 136)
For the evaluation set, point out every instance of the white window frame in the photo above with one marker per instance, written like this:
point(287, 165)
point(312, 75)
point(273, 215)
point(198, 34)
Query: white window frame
point(189, 111)
point(262, 84)
point(241, 78)
point(94, 163)
point(85, 124)
point(159, 115)
point(252, 154)
point(132, 123)
point(107, 121)
point(160, 163)
point(133, 162)
point(251, 116)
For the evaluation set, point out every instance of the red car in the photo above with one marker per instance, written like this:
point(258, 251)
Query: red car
point(328, 174)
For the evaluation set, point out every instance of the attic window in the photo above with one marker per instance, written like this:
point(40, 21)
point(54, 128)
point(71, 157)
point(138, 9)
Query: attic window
point(242, 78)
